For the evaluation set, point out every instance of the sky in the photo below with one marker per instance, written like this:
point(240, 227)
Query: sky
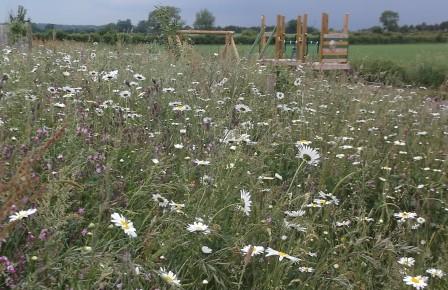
point(363, 13)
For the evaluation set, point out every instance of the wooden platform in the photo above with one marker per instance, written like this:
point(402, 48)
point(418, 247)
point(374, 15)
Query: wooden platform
point(315, 65)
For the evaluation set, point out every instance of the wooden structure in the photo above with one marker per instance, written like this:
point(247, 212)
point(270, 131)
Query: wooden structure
point(280, 36)
point(333, 49)
point(3, 35)
point(229, 45)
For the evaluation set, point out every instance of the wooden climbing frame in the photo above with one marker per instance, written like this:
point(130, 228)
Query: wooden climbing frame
point(229, 40)
point(333, 50)
point(279, 35)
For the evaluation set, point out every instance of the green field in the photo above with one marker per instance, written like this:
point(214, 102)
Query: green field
point(405, 54)
point(419, 64)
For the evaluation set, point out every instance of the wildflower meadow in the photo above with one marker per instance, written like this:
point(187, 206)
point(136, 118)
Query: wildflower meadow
point(134, 167)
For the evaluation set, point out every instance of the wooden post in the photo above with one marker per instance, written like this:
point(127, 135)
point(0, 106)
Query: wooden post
point(3, 34)
point(54, 34)
point(227, 45)
point(323, 30)
point(299, 40)
point(235, 50)
point(29, 36)
point(346, 18)
point(304, 36)
point(283, 36)
point(178, 41)
point(263, 34)
point(278, 37)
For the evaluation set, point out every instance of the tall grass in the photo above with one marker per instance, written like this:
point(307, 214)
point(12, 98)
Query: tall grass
point(382, 153)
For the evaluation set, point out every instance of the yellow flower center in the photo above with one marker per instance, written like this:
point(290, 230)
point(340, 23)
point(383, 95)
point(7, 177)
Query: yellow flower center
point(281, 254)
point(167, 278)
point(415, 280)
point(124, 224)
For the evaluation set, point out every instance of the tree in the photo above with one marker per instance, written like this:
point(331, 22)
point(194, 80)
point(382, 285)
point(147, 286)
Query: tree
point(124, 25)
point(389, 19)
point(18, 25)
point(204, 20)
point(20, 16)
point(142, 27)
point(164, 20)
point(291, 26)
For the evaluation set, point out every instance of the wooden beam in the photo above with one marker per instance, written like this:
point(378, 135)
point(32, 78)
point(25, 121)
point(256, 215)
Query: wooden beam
point(263, 33)
point(335, 51)
point(29, 35)
point(335, 36)
point(278, 38)
point(211, 32)
point(299, 40)
point(334, 60)
point(339, 43)
point(346, 18)
point(304, 36)
point(323, 31)
point(331, 66)
point(235, 50)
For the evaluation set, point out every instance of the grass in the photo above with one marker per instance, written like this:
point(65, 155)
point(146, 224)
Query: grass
point(398, 64)
point(180, 150)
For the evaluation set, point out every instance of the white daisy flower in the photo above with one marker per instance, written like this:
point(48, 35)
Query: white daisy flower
point(125, 224)
point(22, 214)
point(201, 162)
point(139, 77)
point(435, 273)
point(169, 277)
point(418, 282)
point(403, 216)
point(59, 105)
point(125, 94)
point(310, 155)
point(295, 213)
point(206, 250)
point(241, 108)
point(198, 227)
point(245, 197)
point(256, 250)
point(279, 95)
point(406, 261)
point(281, 255)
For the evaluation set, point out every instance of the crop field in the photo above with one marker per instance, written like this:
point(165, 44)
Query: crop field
point(134, 168)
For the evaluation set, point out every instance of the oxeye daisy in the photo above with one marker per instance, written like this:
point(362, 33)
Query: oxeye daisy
point(308, 154)
point(435, 273)
point(406, 261)
point(52, 90)
point(241, 108)
point(418, 282)
point(403, 216)
point(201, 162)
point(125, 94)
point(198, 227)
point(21, 214)
point(281, 255)
point(169, 277)
point(139, 77)
point(256, 250)
point(279, 95)
point(125, 224)
point(245, 197)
